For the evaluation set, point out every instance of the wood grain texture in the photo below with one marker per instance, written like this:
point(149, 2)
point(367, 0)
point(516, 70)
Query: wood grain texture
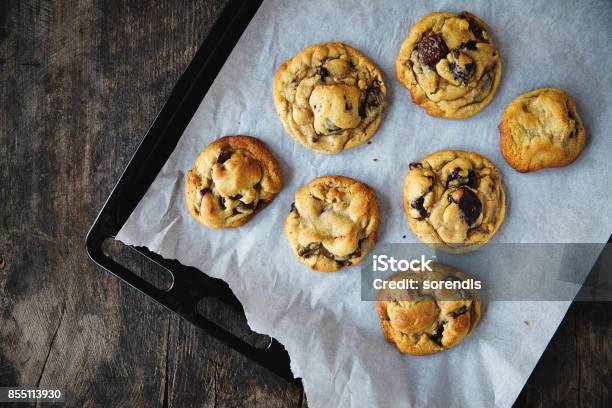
point(80, 82)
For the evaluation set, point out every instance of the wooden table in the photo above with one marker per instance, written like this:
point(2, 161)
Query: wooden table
point(80, 82)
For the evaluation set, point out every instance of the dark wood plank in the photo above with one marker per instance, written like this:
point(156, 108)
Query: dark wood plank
point(80, 84)
point(594, 351)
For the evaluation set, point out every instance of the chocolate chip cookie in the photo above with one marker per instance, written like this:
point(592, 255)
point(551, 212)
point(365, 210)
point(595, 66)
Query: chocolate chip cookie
point(332, 223)
point(450, 65)
point(232, 179)
point(424, 321)
point(329, 97)
point(541, 129)
point(454, 200)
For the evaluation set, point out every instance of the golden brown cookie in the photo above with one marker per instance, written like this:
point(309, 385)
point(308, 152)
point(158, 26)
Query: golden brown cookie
point(424, 321)
point(329, 97)
point(232, 179)
point(454, 200)
point(450, 65)
point(541, 129)
point(332, 223)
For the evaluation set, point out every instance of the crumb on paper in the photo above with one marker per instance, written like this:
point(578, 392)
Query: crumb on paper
point(527, 323)
point(375, 159)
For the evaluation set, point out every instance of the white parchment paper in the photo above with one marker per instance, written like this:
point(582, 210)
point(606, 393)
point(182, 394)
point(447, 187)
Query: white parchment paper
point(332, 336)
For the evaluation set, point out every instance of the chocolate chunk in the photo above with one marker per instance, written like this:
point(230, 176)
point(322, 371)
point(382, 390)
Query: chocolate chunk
point(475, 26)
point(309, 250)
point(437, 337)
point(373, 95)
point(236, 197)
point(471, 179)
point(204, 191)
point(348, 106)
point(293, 209)
point(222, 202)
point(370, 99)
point(415, 165)
point(362, 108)
point(431, 49)
point(418, 205)
point(469, 45)
point(245, 207)
point(316, 248)
point(224, 155)
point(464, 72)
point(458, 312)
point(468, 202)
point(454, 175)
point(322, 72)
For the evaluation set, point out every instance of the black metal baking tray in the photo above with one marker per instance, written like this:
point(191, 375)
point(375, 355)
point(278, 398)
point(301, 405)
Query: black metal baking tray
point(189, 284)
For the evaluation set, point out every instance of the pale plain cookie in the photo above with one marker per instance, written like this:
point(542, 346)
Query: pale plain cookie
point(329, 97)
point(454, 200)
point(232, 179)
point(332, 223)
point(450, 65)
point(424, 321)
point(541, 129)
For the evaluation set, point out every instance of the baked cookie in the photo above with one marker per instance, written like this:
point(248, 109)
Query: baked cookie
point(450, 65)
point(424, 321)
point(541, 129)
point(332, 223)
point(454, 200)
point(232, 179)
point(329, 97)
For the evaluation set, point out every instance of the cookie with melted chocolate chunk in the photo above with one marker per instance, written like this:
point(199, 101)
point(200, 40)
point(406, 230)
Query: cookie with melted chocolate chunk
point(329, 97)
point(454, 200)
point(232, 179)
point(425, 320)
point(450, 65)
point(332, 223)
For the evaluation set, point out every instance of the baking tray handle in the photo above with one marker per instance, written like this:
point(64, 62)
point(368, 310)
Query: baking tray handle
point(189, 287)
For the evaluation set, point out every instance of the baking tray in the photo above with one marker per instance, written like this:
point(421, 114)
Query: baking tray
point(190, 285)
